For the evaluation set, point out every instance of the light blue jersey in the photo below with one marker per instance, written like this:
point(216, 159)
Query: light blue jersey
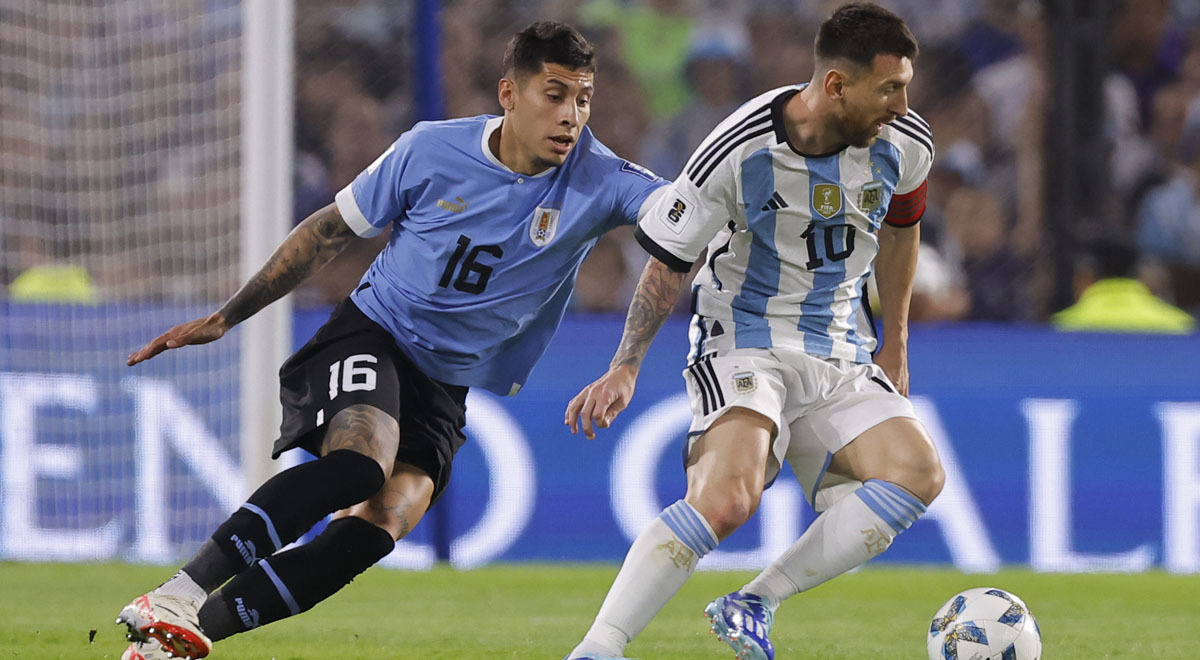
point(482, 260)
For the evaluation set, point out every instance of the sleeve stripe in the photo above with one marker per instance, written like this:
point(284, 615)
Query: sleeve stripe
point(722, 148)
point(924, 142)
point(348, 208)
point(920, 128)
point(710, 149)
point(912, 115)
point(907, 209)
point(658, 252)
point(728, 150)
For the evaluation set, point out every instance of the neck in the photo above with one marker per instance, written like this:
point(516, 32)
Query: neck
point(807, 118)
point(504, 144)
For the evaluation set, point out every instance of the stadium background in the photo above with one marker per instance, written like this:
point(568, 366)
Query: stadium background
point(142, 173)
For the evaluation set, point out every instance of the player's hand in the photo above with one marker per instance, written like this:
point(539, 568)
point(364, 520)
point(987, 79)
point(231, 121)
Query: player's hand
point(200, 331)
point(600, 403)
point(893, 359)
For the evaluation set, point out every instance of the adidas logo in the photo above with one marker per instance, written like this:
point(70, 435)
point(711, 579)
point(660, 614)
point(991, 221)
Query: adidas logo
point(245, 548)
point(248, 616)
point(775, 203)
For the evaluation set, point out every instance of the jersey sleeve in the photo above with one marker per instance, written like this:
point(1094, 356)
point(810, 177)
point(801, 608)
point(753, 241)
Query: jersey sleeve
point(377, 196)
point(637, 191)
point(908, 202)
point(685, 217)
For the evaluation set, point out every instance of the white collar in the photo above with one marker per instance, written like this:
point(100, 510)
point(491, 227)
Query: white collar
point(492, 126)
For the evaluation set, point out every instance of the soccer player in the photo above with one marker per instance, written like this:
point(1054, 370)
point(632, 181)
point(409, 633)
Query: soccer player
point(490, 217)
point(798, 195)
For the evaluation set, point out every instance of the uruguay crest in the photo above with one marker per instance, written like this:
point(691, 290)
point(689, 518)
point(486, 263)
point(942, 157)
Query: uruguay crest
point(827, 199)
point(543, 226)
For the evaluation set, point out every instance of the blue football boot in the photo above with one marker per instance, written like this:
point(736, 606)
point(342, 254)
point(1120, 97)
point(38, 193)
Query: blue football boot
point(594, 657)
point(743, 621)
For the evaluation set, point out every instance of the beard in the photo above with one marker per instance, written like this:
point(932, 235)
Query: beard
point(860, 136)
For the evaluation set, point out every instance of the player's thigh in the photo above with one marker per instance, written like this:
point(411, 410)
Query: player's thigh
point(400, 504)
point(847, 402)
point(731, 453)
point(728, 393)
point(342, 390)
point(366, 430)
point(898, 450)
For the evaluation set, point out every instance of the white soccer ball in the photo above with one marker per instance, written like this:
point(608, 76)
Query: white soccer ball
point(984, 623)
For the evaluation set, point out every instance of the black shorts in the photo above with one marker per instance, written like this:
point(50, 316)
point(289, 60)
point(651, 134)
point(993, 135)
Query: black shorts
point(352, 360)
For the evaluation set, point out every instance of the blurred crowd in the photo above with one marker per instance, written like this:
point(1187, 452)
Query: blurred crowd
point(669, 70)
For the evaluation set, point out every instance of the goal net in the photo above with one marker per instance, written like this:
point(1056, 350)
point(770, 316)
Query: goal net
point(120, 128)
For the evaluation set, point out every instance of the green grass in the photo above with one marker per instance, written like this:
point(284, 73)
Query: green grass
point(540, 611)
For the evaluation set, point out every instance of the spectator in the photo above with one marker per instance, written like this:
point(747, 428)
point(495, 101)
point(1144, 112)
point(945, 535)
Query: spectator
point(996, 278)
point(1110, 298)
point(716, 73)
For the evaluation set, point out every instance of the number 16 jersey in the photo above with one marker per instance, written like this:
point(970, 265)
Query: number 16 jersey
point(791, 237)
point(481, 261)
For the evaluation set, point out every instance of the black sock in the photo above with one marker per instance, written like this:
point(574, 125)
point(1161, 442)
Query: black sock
point(294, 581)
point(282, 509)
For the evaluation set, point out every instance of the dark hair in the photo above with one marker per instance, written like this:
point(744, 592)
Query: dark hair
point(547, 41)
point(860, 31)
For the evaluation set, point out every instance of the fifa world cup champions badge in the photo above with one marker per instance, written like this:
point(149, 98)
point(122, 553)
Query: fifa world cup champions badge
point(827, 199)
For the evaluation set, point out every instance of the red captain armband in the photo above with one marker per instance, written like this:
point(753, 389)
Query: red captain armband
point(906, 210)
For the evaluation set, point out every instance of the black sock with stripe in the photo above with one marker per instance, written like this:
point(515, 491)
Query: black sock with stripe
point(294, 581)
point(282, 509)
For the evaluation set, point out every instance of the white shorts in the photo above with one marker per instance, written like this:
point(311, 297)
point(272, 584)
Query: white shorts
point(818, 404)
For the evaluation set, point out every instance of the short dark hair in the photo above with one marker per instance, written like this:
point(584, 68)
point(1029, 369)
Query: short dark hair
point(547, 42)
point(859, 31)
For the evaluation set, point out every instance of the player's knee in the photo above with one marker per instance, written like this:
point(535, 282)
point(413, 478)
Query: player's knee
point(364, 430)
point(361, 476)
point(728, 510)
point(924, 476)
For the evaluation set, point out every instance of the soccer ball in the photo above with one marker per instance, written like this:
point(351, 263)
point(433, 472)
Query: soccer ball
point(984, 623)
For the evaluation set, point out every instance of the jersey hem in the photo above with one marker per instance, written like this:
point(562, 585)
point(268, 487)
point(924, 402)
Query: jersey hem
point(659, 252)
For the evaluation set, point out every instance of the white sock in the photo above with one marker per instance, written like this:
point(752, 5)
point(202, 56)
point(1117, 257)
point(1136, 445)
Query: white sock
point(182, 584)
point(848, 534)
point(659, 562)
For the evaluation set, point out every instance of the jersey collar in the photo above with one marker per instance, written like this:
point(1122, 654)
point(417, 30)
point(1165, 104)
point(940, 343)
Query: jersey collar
point(777, 120)
point(492, 126)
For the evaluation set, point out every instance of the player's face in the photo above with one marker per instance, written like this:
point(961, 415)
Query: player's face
point(546, 113)
point(875, 97)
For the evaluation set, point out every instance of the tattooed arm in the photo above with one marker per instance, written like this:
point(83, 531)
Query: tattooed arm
point(599, 403)
point(311, 245)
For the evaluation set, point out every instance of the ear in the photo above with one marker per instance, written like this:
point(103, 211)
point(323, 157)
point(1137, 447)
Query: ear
point(507, 94)
point(834, 84)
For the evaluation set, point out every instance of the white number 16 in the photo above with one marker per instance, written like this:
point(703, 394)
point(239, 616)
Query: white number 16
point(353, 377)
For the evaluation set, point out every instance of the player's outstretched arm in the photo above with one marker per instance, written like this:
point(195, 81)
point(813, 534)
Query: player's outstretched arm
point(600, 403)
point(311, 245)
point(895, 267)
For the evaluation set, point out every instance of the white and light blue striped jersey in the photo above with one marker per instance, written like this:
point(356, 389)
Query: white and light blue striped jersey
point(482, 260)
point(791, 238)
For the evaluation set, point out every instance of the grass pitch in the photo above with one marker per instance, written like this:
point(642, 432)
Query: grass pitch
point(540, 611)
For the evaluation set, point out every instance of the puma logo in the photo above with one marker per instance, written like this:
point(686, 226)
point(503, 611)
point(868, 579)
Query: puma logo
point(248, 616)
point(245, 548)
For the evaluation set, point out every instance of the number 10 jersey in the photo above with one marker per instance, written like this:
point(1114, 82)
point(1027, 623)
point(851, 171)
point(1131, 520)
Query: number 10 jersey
point(791, 237)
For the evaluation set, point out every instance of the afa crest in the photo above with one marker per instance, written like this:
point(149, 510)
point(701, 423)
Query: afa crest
point(543, 226)
point(744, 383)
point(827, 199)
point(870, 197)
